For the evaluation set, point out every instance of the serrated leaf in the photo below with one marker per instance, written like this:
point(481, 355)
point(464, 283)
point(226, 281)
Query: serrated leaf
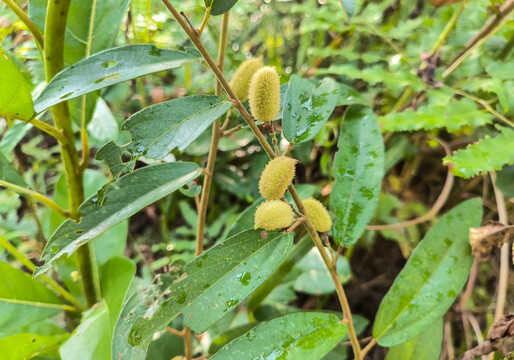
point(123, 199)
point(20, 294)
point(307, 108)
point(432, 278)
point(219, 7)
point(488, 154)
point(425, 346)
point(302, 335)
point(107, 68)
point(358, 171)
point(15, 97)
point(452, 117)
point(158, 129)
point(215, 283)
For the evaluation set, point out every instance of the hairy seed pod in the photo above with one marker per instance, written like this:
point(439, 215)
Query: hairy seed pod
point(272, 215)
point(318, 214)
point(276, 177)
point(264, 94)
point(240, 81)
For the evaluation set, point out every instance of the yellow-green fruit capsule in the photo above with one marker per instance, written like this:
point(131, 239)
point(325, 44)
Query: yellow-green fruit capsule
point(276, 177)
point(318, 214)
point(240, 81)
point(265, 94)
point(272, 215)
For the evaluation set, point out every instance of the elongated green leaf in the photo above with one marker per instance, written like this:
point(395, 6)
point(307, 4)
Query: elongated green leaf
point(216, 283)
point(307, 108)
point(432, 278)
point(90, 340)
point(488, 154)
point(358, 171)
point(349, 6)
point(158, 129)
point(135, 306)
point(15, 97)
point(452, 116)
point(20, 294)
point(107, 68)
point(29, 346)
point(123, 199)
point(219, 7)
point(115, 278)
point(303, 335)
point(425, 346)
point(8, 173)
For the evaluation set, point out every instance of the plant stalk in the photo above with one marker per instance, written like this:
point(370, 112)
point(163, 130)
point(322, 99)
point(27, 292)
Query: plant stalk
point(55, 29)
point(193, 36)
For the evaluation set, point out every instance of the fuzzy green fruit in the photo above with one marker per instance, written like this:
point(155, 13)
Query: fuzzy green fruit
point(276, 177)
point(318, 214)
point(264, 94)
point(273, 214)
point(240, 81)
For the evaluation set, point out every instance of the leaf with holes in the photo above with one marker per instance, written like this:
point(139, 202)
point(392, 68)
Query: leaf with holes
point(107, 68)
point(15, 97)
point(358, 171)
point(122, 199)
point(432, 278)
point(488, 154)
point(215, 283)
point(158, 129)
point(307, 108)
point(301, 335)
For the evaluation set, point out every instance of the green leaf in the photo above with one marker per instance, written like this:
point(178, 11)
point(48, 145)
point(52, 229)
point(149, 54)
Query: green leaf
point(115, 278)
point(452, 116)
point(158, 129)
point(307, 108)
point(219, 7)
point(488, 154)
point(29, 346)
point(432, 278)
point(349, 96)
point(20, 294)
point(15, 97)
point(215, 283)
point(135, 306)
point(90, 340)
point(13, 136)
point(302, 335)
point(425, 346)
point(107, 68)
point(349, 6)
point(315, 279)
point(8, 173)
point(123, 199)
point(358, 171)
point(245, 220)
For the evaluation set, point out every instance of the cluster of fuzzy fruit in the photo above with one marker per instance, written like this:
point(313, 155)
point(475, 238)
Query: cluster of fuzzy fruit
point(277, 214)
point(261, 85)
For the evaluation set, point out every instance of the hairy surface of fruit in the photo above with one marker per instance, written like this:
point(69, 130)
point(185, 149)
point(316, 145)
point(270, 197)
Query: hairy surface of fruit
point(318, 214)
point(264, 94)
point(272, 215)
point(240, 81)
point(276, 177)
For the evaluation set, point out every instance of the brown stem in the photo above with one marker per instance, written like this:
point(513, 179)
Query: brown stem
point(188, 344)
point(193, 36)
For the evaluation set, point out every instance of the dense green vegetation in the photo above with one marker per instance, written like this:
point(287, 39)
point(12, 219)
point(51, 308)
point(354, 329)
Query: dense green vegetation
point(134, 222)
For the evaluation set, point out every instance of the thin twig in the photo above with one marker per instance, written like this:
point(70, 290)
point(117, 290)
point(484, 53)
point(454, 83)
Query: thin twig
point(368, 347)
point(175, 331)
point(193, 36)
point(485, 105)
point(233, 130)
point(204, 21)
